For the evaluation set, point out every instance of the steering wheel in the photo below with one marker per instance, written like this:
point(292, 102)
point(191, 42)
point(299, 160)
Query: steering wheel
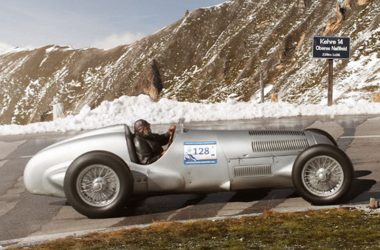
point(171, 137)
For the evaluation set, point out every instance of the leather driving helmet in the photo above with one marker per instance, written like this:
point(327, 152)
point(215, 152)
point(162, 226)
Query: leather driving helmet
point(140, 125)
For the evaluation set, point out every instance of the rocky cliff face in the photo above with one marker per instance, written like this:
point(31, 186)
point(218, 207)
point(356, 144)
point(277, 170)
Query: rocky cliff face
point(209, 55)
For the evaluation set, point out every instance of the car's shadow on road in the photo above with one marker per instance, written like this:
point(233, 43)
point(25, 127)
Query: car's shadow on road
point(159, 204)
point(360, 187)
point(201, 204)
point(361, 173)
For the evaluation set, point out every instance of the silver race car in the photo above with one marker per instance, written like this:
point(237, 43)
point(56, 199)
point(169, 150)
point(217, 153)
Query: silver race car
point(98, 171)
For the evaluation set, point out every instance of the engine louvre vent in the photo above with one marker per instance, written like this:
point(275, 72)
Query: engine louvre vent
point(280, 145)
point(260, 170)
point(276, 132)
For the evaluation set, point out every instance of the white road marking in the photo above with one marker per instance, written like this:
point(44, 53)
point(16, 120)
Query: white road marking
point(234, 208)
point(360, 136)
point(15, 158)
point(210, 198)
point(171, 216)
point(2, 162)
point(26, 156)
point(8, 147)
point(9, 200)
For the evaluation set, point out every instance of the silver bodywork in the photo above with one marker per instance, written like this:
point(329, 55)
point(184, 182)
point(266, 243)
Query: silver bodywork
point(240, 160)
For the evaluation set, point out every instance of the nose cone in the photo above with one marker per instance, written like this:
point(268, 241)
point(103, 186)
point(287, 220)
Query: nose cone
point(44, 175)
point(32, 176)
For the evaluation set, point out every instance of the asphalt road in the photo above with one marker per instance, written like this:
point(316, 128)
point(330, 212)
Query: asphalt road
point(23, 214)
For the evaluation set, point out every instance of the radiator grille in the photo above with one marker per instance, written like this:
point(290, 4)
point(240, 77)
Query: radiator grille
point(280, 145)
point(252, 170)
point(275, 132)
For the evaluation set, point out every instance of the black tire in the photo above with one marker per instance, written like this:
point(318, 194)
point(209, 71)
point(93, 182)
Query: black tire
point(116, 174)
point(322, 132)
point(316, 164)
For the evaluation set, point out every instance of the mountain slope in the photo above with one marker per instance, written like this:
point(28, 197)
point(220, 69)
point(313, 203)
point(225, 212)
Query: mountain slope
point(211, 54)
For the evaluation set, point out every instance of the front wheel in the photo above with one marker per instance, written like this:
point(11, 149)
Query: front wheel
point(98, 184)
point(322, 174)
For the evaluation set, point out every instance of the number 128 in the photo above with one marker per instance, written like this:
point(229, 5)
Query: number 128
point(201, 151)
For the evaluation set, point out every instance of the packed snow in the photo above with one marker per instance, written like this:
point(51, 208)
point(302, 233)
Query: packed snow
point(4, 49)
point(126, 109)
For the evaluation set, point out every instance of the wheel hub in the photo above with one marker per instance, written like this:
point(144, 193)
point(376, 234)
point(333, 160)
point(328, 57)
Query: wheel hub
point(322, 174)
point(98, 184)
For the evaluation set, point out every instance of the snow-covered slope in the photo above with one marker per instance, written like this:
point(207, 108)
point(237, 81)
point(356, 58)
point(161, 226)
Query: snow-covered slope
point(210, 55)
point(126, 110)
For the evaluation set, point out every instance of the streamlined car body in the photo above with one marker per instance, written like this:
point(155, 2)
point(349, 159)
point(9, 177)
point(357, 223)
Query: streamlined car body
point(98, 171)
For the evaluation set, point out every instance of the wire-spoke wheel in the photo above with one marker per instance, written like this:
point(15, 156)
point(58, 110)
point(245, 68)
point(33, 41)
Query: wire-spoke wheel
point(98, 184)
point(322, 174)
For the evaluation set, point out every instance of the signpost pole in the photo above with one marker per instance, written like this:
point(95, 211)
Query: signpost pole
point(262, 87)
point(331, 48)
point(330, 83)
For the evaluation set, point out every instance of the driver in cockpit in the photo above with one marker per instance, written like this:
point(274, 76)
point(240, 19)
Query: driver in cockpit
point(149, 145)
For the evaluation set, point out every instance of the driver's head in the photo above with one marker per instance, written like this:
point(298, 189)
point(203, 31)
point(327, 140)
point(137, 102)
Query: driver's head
point(142, 127)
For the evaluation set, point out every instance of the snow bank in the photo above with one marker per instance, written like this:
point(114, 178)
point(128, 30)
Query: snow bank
point(128, 109)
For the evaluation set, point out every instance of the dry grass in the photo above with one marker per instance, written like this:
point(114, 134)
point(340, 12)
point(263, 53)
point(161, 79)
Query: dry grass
point(326, 229)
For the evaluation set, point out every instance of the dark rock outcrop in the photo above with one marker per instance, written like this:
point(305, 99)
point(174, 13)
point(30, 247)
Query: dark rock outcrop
point(149, 82)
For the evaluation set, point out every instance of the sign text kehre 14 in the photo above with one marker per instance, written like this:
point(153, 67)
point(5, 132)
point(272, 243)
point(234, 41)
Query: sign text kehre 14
point(331, 47)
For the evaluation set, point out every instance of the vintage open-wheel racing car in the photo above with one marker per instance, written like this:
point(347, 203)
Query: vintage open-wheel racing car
point(98, 171)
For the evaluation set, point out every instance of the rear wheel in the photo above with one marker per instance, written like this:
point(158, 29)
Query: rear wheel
point(322, 174)
point(98, 184)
